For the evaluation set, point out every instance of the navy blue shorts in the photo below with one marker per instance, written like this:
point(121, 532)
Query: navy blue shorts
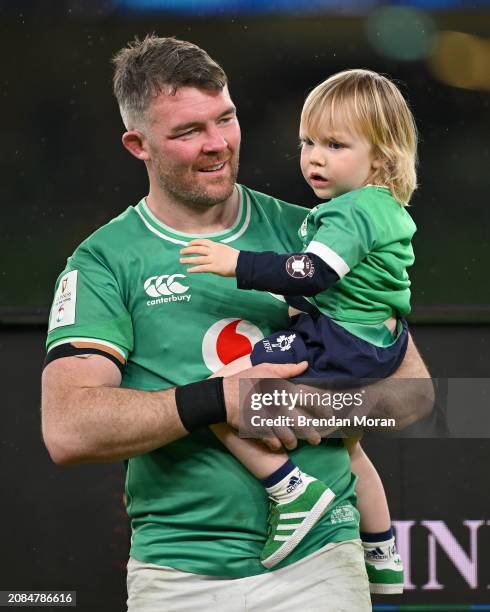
point(330, 349)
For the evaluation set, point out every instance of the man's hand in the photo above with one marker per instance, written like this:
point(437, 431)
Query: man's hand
point(283, 435)
point(213, 257)
point(406, 402)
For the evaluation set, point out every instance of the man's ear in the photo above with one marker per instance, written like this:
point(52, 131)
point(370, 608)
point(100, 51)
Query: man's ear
point(135, 142)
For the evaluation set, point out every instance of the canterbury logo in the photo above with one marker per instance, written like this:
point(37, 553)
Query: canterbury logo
point(155, 286)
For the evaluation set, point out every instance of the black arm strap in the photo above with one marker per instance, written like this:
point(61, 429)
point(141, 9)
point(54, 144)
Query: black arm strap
point(68, 350)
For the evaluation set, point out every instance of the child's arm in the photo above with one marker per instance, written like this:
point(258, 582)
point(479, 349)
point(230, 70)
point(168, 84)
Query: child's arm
point(289, 274)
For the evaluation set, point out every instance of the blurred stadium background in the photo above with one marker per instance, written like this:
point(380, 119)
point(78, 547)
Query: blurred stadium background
point(64, 173)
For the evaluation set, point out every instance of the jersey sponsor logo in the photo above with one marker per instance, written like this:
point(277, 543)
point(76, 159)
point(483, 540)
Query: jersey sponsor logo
point(166, 288)
point(300, 266)
point(63, 310)
point(227, 340)
point(283, 343)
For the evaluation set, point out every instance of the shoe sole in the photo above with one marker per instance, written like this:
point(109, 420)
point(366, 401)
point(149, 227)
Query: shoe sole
point(386, 589)
point(315, 515)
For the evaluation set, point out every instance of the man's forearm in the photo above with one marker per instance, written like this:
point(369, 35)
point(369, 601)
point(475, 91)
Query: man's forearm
point(105, 424)
point(87, 417)
point(406, 402)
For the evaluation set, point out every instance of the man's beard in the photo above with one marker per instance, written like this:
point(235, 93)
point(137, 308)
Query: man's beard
point(191, 194)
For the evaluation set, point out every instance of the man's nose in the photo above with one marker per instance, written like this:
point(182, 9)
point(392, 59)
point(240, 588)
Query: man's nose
point(215, 142)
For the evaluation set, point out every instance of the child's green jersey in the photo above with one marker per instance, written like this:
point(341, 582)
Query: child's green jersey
point(192, 505)
point(365, 236)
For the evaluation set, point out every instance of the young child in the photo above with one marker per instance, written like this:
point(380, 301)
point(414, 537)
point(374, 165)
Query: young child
point(358, 150)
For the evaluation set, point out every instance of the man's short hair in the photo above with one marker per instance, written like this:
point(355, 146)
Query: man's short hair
point(144, 68)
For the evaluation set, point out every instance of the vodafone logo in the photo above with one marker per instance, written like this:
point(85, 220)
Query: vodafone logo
point(227, 340)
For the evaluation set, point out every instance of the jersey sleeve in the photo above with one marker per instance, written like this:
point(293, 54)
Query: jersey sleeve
point(88, 310)
point(344, 233)
point(291, 274)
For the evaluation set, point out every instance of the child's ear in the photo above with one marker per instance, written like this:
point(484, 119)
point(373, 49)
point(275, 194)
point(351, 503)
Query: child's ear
point(377, 163)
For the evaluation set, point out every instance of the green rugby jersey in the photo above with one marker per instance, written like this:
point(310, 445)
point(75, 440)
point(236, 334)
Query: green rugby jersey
point(365, 236)
point(191, 503)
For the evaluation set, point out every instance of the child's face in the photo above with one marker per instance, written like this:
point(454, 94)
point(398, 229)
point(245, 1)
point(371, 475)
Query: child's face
point(339, 162)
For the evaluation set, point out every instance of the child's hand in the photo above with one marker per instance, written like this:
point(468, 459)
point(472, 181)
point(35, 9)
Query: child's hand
point(213, 257)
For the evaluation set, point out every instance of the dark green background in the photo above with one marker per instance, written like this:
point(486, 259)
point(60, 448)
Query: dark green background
point(64, 171)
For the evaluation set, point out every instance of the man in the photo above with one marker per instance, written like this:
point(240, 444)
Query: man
point(128, 326)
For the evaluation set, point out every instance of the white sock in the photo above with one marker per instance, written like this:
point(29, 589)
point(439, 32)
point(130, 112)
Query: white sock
point(377, 552)
point(290, 487)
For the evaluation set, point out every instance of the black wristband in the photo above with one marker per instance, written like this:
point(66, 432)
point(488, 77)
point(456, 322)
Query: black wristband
point(201, 403)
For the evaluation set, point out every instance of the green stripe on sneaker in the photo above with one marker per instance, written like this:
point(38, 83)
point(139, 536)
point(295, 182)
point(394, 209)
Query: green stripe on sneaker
point(384, 576)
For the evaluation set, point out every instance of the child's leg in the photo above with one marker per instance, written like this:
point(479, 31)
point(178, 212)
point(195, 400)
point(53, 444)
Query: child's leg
point(299, 497)
point(255, 456)
point(383, 564)
point(371, 498)
point(259, 460)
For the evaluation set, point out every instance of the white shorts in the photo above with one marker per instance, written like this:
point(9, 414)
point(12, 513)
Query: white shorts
point(333, 579)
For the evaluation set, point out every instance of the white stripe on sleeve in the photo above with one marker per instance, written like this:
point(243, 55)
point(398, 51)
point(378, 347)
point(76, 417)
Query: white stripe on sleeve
point(330, 257)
